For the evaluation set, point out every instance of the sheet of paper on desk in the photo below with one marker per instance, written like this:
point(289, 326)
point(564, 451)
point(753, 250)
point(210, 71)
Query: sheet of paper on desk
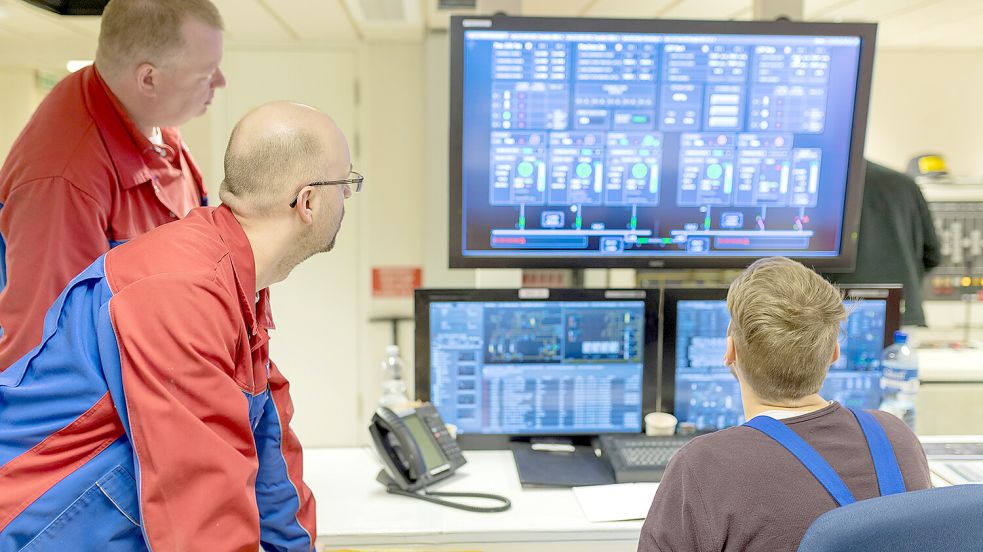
point(959, 472)
point(619, 502)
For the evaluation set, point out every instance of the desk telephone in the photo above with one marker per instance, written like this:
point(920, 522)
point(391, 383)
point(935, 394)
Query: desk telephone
point(417, 451)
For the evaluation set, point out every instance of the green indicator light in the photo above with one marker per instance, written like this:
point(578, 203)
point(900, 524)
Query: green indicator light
point(586, 151)
point(666, 241)
point(522, 222)
point(643, 241)
point(649, 140)
point(706, 223)
point(639, 170)
point(634, 222)
point(527, 151)
point(525, 169)
point(580, 221)
point(714, 171)
point(639, 118)
point(583, 170)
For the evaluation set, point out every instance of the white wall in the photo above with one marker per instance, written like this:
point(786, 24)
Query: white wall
point(927, 101)
point(19, 97)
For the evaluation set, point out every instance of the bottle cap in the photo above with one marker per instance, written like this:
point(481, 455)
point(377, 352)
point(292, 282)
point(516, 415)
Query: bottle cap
point(900, 337)
point(686, 428)
point(392, 350)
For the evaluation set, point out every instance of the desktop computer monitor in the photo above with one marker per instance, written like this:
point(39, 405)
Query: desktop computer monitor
point(702, 391)
point(503, 364)
point(647, 143)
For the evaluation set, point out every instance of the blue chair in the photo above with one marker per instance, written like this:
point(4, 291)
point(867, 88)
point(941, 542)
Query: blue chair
point(948, 519)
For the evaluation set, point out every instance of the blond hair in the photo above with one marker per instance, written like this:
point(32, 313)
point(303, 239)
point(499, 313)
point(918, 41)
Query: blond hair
point(785, 320)
point(147, 31)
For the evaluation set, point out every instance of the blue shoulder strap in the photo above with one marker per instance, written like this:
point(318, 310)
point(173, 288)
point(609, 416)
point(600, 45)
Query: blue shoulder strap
point(811, 459)
point(889, 478)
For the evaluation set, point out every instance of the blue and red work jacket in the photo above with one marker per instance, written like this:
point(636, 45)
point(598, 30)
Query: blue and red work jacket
point(149, 416)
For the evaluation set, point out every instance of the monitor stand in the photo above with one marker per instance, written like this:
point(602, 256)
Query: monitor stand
point(559, 462)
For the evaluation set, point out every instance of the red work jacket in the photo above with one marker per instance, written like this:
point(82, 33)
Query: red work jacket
point(80, 179)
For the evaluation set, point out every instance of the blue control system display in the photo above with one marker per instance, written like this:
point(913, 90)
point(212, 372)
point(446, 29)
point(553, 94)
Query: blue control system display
point(708, 395)
point(655, 145)
point(534, 368)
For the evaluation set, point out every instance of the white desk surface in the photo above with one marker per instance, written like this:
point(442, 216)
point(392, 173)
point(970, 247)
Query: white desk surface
point(354, 510)
point(942, 365)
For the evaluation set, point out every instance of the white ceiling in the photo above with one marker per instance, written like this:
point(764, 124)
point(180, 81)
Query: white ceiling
point(31, 35)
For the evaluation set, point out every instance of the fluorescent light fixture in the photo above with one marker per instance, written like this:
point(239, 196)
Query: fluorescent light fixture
point(74, 65)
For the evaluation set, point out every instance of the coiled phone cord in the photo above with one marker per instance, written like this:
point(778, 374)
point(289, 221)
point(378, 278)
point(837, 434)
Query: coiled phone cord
point(430, 496)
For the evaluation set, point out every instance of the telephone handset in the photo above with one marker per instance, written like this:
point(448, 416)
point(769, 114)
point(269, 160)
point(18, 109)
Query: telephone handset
point(417, 451)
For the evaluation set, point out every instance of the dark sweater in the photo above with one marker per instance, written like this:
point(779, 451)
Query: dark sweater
point(897, 241)
point(739, 490)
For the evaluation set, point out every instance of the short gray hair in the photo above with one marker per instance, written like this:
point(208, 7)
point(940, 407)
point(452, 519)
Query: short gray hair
point(785, 320)
point(255, 171)
point(147, 31)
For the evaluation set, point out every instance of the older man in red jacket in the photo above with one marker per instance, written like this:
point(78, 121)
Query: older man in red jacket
point(100, 162)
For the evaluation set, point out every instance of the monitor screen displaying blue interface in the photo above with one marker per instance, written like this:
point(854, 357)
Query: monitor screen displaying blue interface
point(708, 395)
point(537, 367)
point(651, 148)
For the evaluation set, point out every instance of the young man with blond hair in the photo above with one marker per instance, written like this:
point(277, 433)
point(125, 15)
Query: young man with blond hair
point(743, 488)
point(101, 161)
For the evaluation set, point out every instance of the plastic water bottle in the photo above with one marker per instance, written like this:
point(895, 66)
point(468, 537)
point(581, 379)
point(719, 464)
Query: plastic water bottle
point(899, 379)
point(393, 384)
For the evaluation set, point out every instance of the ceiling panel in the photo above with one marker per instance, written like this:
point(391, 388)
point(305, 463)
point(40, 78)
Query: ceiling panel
point(541, 8)
point(387, 20)
point(248, 21)
point(816, 8)
point(708, 9)
point(321, 21)
point(868, 10)
point(628, 8)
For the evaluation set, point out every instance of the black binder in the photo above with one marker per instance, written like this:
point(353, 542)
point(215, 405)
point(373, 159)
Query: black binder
point(541, 468)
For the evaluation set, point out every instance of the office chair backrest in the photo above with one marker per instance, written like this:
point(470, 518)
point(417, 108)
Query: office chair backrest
point(944, 519)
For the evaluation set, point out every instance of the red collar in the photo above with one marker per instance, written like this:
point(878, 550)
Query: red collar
point(256, 308)
point(128, 145)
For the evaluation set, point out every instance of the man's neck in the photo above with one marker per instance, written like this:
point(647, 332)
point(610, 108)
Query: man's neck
point(129, 104)
point(754, 405)
point(268, 245)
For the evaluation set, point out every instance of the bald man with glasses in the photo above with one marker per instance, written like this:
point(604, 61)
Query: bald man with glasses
point(152, 417)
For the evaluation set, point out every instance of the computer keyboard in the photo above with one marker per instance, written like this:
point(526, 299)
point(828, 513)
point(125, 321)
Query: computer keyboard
point(636, 458)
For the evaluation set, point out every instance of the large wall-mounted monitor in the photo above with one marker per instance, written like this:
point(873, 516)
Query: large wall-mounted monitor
point(503, 364)
point(699, 389)
point(652, 143)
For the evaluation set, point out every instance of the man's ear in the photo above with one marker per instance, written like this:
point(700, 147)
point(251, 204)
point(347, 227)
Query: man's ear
point(730, 355)
point(303, 207)
point(836, 353)
point(146, 77)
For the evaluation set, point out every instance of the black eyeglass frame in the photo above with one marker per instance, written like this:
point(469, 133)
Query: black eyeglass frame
point(355, 182)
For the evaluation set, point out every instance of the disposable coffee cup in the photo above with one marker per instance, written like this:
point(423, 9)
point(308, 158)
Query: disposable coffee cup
point(660, 424)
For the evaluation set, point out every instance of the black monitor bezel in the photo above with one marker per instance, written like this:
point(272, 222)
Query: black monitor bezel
point(844, 262)
point(671, 296)
point(424, 297)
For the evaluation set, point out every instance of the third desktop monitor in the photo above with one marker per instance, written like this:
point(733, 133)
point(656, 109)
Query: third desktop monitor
point(704, 392)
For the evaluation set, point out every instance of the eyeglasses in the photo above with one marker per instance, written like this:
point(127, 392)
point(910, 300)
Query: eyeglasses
point(355, 182)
